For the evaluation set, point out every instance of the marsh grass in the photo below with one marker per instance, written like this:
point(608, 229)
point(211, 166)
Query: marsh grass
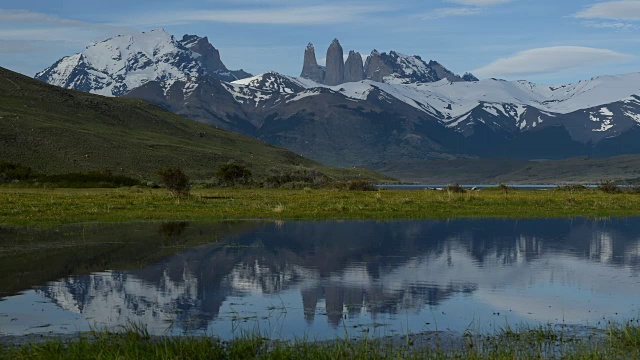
point(546, 342)
point(279, 208)
point(42, 207)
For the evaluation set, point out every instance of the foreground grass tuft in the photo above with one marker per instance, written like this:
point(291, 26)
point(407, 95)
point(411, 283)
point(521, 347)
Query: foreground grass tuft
point(619, 342)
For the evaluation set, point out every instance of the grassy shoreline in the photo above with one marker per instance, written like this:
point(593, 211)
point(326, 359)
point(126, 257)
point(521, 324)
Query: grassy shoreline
point(49, 207)
point(618, 341)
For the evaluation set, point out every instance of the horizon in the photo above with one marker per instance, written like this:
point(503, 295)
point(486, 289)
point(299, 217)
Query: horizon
point(544, 43)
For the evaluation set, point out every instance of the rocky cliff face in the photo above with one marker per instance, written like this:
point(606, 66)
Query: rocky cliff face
point(353, 68)
point(469, 77)
point(376, 68)
point(391, 68)
point(444, 73)
point(310, 68)
point(210, 58)
point(335, 64)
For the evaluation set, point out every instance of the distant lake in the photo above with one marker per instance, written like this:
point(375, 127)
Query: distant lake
point(469, 186)
point(321, 279)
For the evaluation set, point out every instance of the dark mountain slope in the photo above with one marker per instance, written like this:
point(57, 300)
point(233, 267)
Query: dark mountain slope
point(55, 130)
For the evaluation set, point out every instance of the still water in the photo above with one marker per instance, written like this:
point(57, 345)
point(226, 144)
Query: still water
point(321, 279)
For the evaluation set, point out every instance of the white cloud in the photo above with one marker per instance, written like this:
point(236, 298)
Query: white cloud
point(33, 26)
point(303, 15)
point(619, 10)
point(549, 60)
point(479, 2)
point(472, 7)
point(613, 25)
point(453, 11)
point(11, 47)
point(25, 17)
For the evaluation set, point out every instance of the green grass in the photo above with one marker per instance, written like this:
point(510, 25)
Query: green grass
point(43, 207)
point(620, 342)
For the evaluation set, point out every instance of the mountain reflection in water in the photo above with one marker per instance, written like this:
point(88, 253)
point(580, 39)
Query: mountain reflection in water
point(319, 278)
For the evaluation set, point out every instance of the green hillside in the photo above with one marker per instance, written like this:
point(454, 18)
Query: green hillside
point(54, 131)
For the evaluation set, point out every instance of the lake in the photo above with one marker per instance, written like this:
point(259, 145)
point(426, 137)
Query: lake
point(319, 280)
point(471, 186)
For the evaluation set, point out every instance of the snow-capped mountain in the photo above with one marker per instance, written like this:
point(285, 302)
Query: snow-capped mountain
point(396, 68)
point(403, 108)
point(277, 83)
point(118, 65)
point(610, 103)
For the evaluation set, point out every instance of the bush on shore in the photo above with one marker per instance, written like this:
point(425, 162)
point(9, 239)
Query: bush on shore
point(455, 188)
point(572, 187)
point(609, 187)
point(10, 172)
point(298, 178)
point(353, 185)
point(175, 180)
point(231, 174)
point(96, 179)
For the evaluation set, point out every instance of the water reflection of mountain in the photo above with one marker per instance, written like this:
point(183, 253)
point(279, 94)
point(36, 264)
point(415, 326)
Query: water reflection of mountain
point(352, 267)
point(31, 256)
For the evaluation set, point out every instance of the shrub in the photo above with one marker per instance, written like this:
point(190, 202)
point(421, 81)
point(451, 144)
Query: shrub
point(175, 180)
point(572, 188)
point(10, 172)
point(455, 188)
point(633, 189)
point(230, 174)
point(96, 179)
point(608, 186)
point(361, 185)
point(505, 189)
point(297, 178)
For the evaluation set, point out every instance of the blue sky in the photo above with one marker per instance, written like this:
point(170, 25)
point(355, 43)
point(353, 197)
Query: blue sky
point(546, 41)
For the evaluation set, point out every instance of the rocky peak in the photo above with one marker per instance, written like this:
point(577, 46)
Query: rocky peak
point(469, 77)
point(335, 64)
point(443, 72)
point(310, 68)
point(210, 58)
point(209, 55)
point(353, 67)
point(377, 67)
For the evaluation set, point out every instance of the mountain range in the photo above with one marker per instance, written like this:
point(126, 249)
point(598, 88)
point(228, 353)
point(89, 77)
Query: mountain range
point(392, 107)
point(55, 130)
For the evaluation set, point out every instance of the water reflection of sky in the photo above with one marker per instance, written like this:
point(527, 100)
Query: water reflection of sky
point(321, 279)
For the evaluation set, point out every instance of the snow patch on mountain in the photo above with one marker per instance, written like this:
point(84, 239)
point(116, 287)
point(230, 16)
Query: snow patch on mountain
point(453, 102)
point(274, 81)
point(246, 95)
point(115, 66)
point(464, 96)
point(304, 94)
